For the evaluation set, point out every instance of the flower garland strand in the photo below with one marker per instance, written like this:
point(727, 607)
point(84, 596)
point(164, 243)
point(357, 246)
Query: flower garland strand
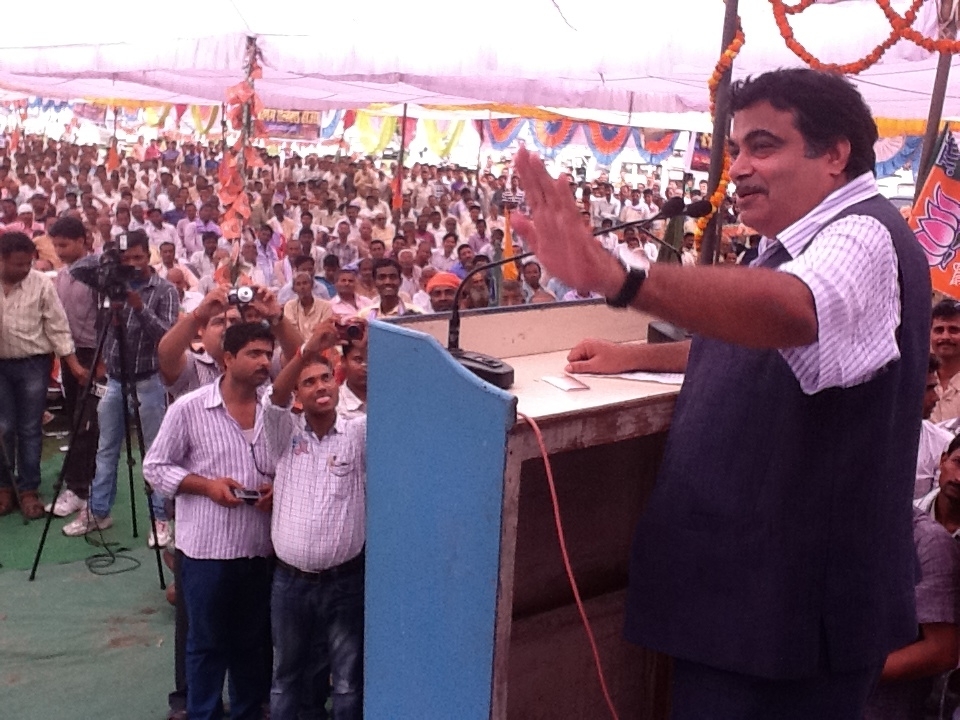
point(724, 64)
point(901, 28)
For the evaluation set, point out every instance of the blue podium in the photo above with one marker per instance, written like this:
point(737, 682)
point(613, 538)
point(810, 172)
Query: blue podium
point(469, 614)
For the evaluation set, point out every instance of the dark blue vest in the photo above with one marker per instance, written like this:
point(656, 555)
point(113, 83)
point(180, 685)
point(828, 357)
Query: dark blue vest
point(778, 539)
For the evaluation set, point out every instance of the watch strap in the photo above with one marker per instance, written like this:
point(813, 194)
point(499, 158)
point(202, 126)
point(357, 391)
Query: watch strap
point(629, 289)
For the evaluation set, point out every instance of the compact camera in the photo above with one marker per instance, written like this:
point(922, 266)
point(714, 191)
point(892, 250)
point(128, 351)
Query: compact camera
point(242, 295)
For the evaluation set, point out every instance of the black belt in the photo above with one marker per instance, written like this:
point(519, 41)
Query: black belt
point(350, 567)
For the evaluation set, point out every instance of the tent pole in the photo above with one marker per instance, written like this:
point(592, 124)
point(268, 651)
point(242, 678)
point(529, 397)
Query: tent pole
point(933, 121)
point(403, 143)
point(476, 180)
point(718, 141)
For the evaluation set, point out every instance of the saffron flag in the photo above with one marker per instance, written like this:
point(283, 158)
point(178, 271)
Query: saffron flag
point(935, 219)
point(509, 269)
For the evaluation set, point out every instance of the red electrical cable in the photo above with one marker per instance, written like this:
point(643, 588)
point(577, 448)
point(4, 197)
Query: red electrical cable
point(567, 566)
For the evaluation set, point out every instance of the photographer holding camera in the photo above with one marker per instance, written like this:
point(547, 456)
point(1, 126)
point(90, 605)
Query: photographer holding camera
point(149, 309)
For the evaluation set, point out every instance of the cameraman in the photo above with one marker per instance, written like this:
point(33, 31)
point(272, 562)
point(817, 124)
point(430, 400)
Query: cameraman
point(148, 311)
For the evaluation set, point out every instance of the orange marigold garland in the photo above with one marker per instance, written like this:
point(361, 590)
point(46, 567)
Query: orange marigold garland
point(724, 64)
point(901, 28)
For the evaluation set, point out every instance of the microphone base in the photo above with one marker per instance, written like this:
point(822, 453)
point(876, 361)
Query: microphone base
point(493, 370)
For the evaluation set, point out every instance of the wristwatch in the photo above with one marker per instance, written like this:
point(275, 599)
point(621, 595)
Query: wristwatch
point(629, 289)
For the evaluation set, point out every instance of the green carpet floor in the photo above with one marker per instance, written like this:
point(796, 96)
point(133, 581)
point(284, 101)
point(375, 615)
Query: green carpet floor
point(75, 645)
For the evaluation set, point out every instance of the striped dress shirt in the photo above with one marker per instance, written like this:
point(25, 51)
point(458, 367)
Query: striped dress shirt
point(32, 320)
point(850, 268)
point(198, 436)
point(319, 495)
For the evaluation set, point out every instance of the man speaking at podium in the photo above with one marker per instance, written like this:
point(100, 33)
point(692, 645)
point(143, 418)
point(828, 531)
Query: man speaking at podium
point(774, 560)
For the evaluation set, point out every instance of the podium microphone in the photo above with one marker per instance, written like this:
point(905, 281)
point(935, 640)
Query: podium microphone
point(493, 370)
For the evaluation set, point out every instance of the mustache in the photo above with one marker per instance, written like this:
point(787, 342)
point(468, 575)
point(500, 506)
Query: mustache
point(749, 189)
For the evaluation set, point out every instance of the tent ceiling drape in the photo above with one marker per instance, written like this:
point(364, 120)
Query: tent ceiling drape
point(626, 57)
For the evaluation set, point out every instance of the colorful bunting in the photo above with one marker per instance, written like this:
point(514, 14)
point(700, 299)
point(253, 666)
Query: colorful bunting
point(654, 146)
point(551, 136)
point(606, 141)
point(442, 136)
point(503, 131)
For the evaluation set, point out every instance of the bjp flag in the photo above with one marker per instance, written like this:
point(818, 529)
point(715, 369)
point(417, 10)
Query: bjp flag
point(509, 269)
point(935, 219)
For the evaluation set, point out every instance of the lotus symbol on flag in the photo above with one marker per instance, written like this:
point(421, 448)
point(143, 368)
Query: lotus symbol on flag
point(938, 227)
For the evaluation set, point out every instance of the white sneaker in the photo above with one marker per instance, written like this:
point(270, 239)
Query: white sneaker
point(164, 533)
point(86, 522)
point(67, 504)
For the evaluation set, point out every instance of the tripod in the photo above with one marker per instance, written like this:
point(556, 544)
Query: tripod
point(128, 399)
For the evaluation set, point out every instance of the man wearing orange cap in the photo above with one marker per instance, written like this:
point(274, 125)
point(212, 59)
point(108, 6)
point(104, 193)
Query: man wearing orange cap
point(441, 289)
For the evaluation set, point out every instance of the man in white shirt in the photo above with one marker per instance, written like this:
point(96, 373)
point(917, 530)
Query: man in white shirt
point(934, 439)
point(318, 534)
point(168, 262)
point(212, 454)
point(444, 257)
point(634, 209)
point(159, 231)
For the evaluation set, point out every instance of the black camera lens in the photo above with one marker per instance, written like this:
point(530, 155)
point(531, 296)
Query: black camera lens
point(354, 332)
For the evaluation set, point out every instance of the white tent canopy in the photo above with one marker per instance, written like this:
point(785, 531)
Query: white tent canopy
point(321, 55)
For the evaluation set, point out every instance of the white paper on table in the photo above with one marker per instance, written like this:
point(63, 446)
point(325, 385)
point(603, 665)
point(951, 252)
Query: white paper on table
point(662, 378)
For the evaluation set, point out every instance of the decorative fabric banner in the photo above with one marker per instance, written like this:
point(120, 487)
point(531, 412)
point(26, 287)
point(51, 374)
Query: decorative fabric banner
point(374, 132)
point(45, 104)
point(551, 136)
point(936, 219)
point(88, 111)
point(654, 146)
point(204, 117)
point(606, 141)
point(442, 135)
point(894, 153)
point(503, 131)
point(329, 122)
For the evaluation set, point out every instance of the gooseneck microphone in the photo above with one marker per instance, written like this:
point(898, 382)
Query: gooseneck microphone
point(493, 370)
point(672, 208)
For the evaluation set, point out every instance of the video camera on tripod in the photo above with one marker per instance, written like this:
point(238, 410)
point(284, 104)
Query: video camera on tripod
point(106, 274)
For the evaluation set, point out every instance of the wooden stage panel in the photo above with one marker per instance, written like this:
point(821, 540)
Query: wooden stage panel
point(602, 491)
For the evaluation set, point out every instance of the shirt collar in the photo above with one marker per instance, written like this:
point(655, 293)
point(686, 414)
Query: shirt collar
point(349, 399)
point(798, 235)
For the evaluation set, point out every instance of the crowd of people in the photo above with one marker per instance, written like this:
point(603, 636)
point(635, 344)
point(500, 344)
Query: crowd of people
point(252, 407)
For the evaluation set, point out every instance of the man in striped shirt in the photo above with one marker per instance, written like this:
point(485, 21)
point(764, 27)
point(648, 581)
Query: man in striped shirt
point(318, 533)
point(775, 560)
point(211, 447)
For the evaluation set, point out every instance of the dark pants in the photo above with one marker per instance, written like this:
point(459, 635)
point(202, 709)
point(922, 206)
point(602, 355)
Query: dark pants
point(23, 398)
point(83, 456)
point(228, 609)
point(704, 693)
point(316, 622)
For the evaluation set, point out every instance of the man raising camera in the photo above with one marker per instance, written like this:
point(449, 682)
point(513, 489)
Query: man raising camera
point(148, 311)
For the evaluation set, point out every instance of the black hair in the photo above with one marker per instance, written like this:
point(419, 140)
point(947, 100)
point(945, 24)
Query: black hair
point(934, 364)
point(453, 235)
point(301, 259)
point(209, 235)
point(946, 310)
point(954, 445)
point(68, 227)
point(138, 238)
point(15, 242)
point(237, 337)
point(380, 242)
point(386, 262)
point(331, 261)
point(826, 108)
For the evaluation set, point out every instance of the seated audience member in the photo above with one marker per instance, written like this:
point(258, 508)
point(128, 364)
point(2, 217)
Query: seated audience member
point(409, 272)
point(305, 311)
point(168, 262)
point(532, 290)
point(441, 289)
point(34, 328)
point(318, 586)
point(189, 300)
point(511, 293)
point(445, 257)
point(933, 438)
point(945, 344)
point(303, 263)
point(476, 293)
point(331, 267)
point(943, 502)
point(353, 389)
point(346, 302)
point(464, 264)
point(386, 275)
point(421, 298)
point(212, 444)
point(365, 282)
point(909, 673)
